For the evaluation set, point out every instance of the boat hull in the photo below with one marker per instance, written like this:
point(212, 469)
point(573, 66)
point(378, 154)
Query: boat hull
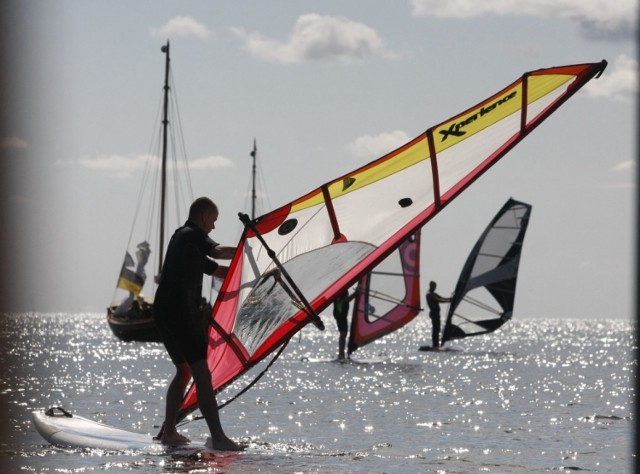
point(139, 327)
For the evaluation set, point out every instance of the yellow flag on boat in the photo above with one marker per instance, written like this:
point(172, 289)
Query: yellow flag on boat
point(130, 280)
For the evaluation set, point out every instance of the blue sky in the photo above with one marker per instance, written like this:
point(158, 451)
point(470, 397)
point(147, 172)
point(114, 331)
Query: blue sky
point(323, 87)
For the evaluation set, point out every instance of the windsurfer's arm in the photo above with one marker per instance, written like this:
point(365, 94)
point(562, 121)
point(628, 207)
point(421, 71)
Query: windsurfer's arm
point(442, 299)
point(221, 271)
point(223, 253)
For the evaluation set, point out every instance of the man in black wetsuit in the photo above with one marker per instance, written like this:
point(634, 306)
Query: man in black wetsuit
point(177, 317)
point(433, 301)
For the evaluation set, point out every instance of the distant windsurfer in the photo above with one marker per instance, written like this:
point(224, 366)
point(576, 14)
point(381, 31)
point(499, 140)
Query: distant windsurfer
point(340, 313)
point(179, 322)
point(433, 301)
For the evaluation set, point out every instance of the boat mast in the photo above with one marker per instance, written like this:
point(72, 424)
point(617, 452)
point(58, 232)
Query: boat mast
point(165, 123)
point(254, 152)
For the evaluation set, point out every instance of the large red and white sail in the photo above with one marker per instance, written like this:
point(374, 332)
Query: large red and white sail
point(329, 238)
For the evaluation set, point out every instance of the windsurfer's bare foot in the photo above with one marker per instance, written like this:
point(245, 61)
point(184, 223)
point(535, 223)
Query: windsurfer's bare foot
point(224, 444)
point(174, 439)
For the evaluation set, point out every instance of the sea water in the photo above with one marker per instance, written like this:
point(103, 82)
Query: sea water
point(537, 396)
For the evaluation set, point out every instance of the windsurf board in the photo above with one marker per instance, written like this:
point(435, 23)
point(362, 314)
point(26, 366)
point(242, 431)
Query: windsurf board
point(62, 428)
point(350, 360)
point(441, 349)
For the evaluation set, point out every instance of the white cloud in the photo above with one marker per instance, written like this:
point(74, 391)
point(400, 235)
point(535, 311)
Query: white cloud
point(124, 166)
point(317, 37)
point(210, 162)
point(181, 26)
point(13, 142)
point(65, 162)
point(601, 19)
point(627, 165)
point(116, 162)
point(623, 177)
point(618, 82)
point(368, 146)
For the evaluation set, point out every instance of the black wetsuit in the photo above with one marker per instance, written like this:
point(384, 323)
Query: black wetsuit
point(341, 311)
point(179, 293)
point(433, 301)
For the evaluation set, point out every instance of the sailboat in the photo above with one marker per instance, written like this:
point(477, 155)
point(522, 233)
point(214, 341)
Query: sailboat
point(485, 293)
point(292, 262)
point(131, 317)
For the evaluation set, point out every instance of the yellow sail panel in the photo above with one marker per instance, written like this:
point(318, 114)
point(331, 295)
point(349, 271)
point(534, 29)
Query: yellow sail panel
point(399, 160)
point(544, 90)
point(479, 118)
point(542, 85)
point(495, 109)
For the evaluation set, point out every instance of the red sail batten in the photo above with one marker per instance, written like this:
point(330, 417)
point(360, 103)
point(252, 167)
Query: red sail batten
point(525, 94)
point(434, 168)
point(337, 236)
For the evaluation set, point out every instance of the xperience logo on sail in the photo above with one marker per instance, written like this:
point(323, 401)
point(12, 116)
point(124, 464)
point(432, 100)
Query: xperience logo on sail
point(455, 127)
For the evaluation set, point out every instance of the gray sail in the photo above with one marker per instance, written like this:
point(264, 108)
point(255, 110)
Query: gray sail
point(484, 296)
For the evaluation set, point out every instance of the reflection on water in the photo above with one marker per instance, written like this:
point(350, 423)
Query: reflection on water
point(537, 395)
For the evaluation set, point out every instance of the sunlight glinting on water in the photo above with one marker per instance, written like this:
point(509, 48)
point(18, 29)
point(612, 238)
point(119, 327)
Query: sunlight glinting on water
point(536, 395)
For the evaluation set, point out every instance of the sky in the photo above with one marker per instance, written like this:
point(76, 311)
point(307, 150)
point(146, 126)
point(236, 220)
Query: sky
point(323, 88)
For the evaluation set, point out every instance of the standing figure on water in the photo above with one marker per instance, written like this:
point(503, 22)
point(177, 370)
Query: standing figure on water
point(177, 316)
point(340, 313)
point(433, 301)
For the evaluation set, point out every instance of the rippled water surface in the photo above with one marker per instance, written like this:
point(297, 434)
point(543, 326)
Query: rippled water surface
point(538, 396)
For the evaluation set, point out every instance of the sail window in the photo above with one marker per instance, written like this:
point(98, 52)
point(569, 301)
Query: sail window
point(405, 202)
point(287, 226)
point(347, 183)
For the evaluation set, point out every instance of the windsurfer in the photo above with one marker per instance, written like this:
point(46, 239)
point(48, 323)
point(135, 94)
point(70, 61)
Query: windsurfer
point(340, 313)
point(179, 322)
point(433, 301)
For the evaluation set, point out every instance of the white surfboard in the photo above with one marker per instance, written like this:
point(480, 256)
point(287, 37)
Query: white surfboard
point(447, 348)
point(62, 428)
point(368, 360)
point(350, 360)
point(323, 359)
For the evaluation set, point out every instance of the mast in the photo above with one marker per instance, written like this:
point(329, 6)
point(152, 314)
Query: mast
point(254, 152)
point(163, 187)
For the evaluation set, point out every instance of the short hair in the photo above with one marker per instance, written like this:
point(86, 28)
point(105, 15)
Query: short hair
point(200, 206)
